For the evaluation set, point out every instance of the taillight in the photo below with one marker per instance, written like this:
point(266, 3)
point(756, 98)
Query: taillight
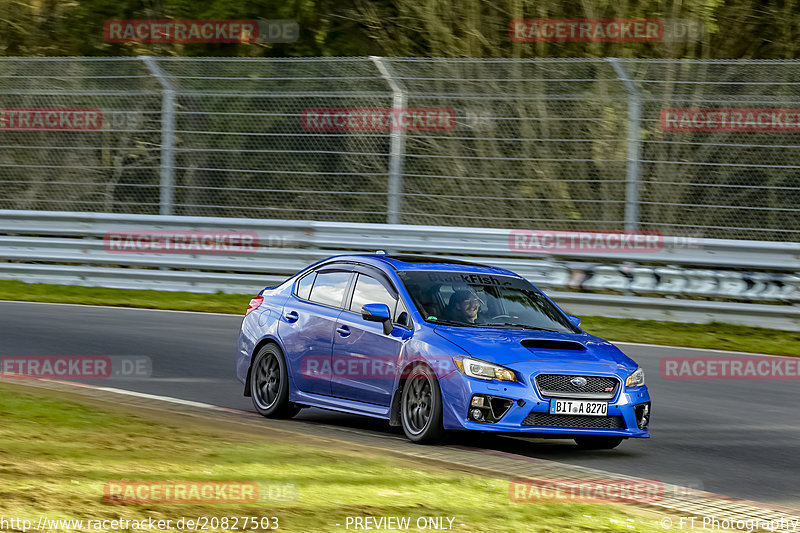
point(254, 303)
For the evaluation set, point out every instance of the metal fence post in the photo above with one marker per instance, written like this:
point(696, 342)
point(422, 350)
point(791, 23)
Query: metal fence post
point(167, 187)
point(634, 146)
point(397, 142)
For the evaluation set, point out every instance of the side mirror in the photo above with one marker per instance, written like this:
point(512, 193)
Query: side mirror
point(378, 313)
point(575, 320)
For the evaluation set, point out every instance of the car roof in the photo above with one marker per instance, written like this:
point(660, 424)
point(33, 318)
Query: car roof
point(403, 262)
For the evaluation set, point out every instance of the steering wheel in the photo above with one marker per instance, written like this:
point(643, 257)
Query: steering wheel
point(500, 316)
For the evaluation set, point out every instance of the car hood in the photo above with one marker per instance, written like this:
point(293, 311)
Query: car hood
point(507, 346)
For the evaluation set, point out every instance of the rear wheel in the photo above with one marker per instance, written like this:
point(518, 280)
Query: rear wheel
point(269, 384)
point(598, 443)
point(421, 406)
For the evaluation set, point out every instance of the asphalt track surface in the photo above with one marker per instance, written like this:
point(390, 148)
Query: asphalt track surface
point(737, 438)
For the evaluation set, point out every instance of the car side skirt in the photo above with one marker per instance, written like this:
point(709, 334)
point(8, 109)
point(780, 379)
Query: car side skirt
point(340, 404)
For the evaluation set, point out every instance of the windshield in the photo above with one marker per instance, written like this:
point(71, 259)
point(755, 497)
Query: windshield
point(482, 300)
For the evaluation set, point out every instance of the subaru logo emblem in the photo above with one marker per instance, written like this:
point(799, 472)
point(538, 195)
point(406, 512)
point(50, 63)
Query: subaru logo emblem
point(578, 381)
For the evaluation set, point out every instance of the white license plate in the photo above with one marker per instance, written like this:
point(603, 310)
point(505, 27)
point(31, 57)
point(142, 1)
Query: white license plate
point(578, 407)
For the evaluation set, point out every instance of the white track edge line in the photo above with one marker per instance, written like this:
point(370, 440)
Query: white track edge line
point(212, 313)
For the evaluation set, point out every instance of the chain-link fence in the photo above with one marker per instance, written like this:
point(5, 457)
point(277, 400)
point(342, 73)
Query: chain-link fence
point(563, 144)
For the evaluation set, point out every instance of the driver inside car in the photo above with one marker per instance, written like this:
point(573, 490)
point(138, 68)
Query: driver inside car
point(464, 306)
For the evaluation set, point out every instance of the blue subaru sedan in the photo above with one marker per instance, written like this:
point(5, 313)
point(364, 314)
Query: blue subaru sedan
point(434, 345)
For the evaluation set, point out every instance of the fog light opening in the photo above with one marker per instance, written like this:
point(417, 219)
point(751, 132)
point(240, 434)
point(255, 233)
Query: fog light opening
point(499, 407)
point(488, 409)
point(642, 412)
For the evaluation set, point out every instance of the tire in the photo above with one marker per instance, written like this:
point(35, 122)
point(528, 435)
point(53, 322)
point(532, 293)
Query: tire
point(269, 384)
point(598, 443)
point(421, 406)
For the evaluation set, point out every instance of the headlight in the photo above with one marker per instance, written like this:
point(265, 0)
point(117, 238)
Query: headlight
point(476, 368)
point(636, 379)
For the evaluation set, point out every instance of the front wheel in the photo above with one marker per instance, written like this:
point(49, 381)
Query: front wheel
point(598, 443)
point(421, 407)
point(269, 384)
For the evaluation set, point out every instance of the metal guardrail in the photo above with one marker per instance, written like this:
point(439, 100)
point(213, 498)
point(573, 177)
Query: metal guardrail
point(70, 248)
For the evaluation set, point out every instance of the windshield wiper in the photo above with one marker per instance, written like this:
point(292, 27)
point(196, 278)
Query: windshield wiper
point(521, 326)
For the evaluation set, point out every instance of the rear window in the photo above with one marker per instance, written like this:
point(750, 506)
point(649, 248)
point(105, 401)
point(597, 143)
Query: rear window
point(329, 288)
point(303, 287)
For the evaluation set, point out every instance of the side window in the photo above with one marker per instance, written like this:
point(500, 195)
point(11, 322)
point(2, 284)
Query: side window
point(370, 291)
point(329, 288)
point(401, 315)
point(302, 288)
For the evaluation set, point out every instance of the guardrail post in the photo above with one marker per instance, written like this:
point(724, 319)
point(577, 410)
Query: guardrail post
point(167, 187)
point(633, 170)
point(397, 142)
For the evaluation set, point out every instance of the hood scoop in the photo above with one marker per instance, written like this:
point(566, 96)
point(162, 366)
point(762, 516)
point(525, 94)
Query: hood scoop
point(552, 344)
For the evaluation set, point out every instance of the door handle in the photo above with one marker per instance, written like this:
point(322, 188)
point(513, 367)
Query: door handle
point(344, 331)
point(291, 316)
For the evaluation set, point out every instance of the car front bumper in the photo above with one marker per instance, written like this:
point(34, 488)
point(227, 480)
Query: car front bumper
point(529, 407)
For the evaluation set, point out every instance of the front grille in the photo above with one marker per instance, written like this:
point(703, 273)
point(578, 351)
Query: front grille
point(559, 386)
point(574, 421)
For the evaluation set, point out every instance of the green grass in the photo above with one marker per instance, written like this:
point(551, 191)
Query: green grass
point(57, 454)
point(715, 336)
point(74, 294)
